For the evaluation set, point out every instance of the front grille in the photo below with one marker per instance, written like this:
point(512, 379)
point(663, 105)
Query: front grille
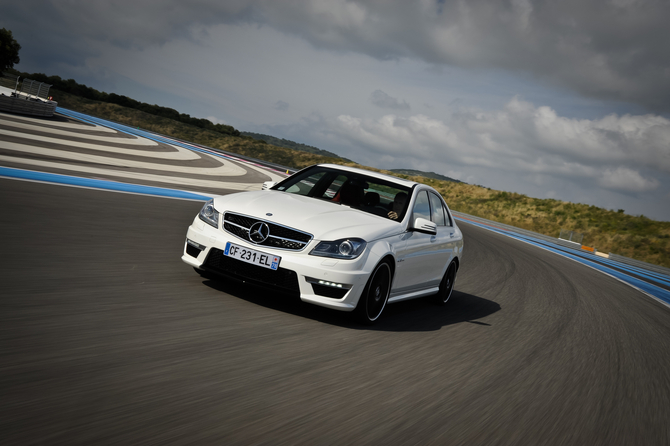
point(236, 230)
point(280, 236)
point(284, 279)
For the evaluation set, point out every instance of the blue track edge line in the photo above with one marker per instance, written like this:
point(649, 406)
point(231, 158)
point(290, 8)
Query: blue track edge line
point(653, 291)
point(8, 172)
point(659, 278)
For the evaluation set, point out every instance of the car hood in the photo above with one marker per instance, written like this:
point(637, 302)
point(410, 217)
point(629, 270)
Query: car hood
point(324, 220)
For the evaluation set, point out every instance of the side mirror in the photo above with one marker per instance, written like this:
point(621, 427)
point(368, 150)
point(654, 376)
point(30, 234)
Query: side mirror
point(268, 184)
point(425, 226)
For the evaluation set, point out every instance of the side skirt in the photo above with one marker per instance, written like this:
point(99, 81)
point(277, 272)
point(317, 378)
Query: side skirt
point(414, 295)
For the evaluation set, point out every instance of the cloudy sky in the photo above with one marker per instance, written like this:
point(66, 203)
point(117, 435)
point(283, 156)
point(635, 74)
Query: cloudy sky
point(553, 99)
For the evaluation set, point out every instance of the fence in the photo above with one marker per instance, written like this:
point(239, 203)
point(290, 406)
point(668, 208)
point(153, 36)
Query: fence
point(29, 87)
point(34, 88)
point(571, 236)
point(9, 81)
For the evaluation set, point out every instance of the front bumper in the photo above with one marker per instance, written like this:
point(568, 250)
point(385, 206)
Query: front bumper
point(315, 279)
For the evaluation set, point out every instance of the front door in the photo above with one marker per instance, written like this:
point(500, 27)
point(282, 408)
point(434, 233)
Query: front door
point(423, 257)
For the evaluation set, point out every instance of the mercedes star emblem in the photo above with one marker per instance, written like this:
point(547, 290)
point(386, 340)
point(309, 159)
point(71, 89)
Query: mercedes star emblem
point(259, 232)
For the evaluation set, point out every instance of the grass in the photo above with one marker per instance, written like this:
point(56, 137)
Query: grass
point(637, 237)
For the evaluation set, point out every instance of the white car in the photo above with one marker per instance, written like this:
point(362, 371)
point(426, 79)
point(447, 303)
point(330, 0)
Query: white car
point(343, 238)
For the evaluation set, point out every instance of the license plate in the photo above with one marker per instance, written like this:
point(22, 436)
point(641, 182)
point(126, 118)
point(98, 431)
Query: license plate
point(252, 256)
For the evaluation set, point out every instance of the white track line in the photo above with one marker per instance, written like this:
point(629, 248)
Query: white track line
point(179, 153)
point(68, 124)
point(228, 169)
point(191, 182)
point(182, 154)
point(103, 139)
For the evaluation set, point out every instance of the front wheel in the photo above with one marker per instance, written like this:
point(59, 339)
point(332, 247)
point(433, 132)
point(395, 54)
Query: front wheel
point(375, 295)
point(446, 285)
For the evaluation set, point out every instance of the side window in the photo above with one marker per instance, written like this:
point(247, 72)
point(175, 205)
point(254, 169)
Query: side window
point(421, 207)
point(437, 211)
point(446, 214)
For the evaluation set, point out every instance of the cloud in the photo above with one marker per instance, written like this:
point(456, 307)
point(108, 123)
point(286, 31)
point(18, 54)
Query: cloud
point(281, 106)
point(216, 120)
point(381, 99)
point(613, 50)
point(640, 140)
point(525, 145)
point(626, 180)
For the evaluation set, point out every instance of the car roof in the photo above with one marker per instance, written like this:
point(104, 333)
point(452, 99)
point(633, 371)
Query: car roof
point(370, 173)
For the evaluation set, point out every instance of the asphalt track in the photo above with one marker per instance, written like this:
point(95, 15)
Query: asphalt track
point(106, 337)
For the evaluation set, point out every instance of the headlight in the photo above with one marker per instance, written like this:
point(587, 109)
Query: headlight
point(347, 248)
point(209, 215)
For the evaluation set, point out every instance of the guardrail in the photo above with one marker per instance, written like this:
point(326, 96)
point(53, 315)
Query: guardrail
point(30, 107)
point(639, 264)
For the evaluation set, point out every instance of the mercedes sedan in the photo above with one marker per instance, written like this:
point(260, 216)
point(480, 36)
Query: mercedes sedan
point(340, 237)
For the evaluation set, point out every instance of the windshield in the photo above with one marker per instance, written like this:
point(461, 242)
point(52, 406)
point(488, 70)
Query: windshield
point(368, 194)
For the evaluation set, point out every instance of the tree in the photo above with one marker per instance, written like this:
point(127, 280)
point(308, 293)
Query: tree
point(9, 50)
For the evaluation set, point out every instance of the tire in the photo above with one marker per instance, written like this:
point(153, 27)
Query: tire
point(446, 285)
point(375, 295)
